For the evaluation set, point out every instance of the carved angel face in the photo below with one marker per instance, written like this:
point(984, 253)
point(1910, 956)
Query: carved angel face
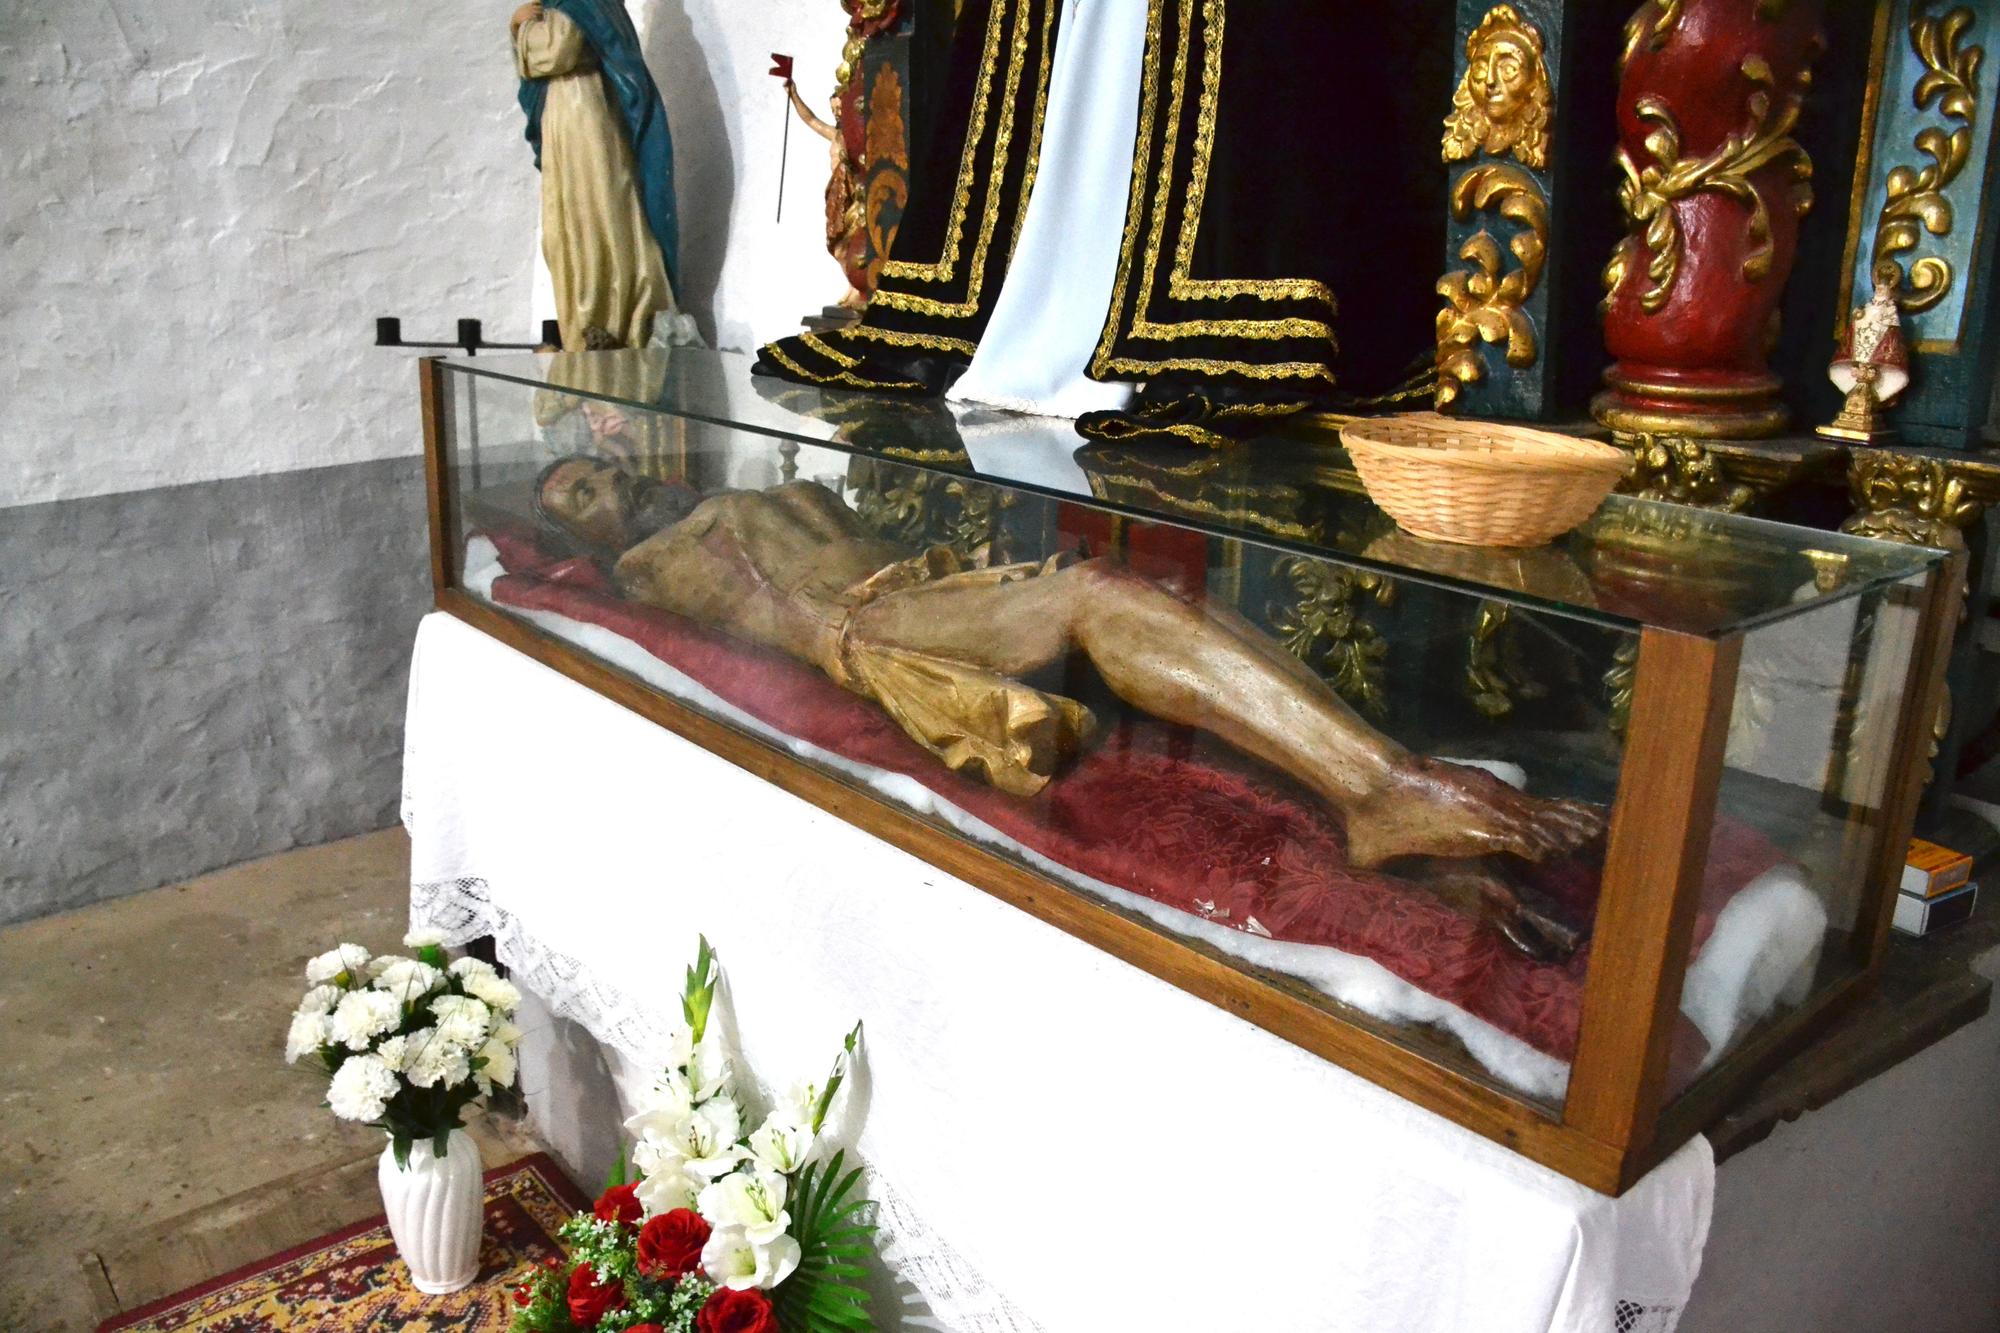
point(1503, 102)
point(1502, 76)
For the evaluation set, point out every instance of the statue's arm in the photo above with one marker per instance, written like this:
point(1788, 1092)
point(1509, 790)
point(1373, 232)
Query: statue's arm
point(546, 44)
point(818, 126)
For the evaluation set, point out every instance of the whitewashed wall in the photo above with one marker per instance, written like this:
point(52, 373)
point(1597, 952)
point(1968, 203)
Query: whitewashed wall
point(204, 203)
point(748, 278)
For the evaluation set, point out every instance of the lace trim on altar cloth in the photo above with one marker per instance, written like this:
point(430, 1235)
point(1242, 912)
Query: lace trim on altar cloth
point(1644, 1317)
point(949, 1293)
point(464, 910)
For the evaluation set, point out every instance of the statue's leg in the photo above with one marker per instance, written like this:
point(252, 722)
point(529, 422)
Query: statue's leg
point(1200, 669)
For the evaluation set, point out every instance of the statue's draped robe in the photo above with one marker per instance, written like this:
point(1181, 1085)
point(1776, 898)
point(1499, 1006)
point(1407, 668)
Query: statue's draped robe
point(794, 569)
point(599, 226)
point(1220, 257)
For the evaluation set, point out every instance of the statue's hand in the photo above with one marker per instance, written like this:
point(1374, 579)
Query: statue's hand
point(527, 13)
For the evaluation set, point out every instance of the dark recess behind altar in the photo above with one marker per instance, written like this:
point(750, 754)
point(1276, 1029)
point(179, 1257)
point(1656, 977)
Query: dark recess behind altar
point(197, 675)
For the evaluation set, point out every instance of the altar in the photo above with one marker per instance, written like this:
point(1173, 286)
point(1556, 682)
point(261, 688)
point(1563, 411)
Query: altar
point(1060, 1140)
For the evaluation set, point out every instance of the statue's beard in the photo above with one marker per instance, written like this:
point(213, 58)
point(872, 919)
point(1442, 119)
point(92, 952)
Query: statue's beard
point(650, 507)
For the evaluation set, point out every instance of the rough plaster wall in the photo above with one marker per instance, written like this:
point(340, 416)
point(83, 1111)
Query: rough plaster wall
point(206, 202)
point(197, 675)
point(746, 276)
point(202, 207)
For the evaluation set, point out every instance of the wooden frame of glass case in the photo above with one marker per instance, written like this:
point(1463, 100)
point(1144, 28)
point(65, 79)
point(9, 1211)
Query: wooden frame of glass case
point(1615, 1123)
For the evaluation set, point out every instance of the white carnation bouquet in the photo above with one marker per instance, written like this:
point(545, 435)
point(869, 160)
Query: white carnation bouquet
point(409, 1042)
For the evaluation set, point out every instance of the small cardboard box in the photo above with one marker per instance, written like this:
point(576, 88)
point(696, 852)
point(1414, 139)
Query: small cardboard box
point(1930, 871)
point(1917, 915)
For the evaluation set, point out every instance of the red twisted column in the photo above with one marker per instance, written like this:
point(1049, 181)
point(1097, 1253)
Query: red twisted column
point(1714, 187)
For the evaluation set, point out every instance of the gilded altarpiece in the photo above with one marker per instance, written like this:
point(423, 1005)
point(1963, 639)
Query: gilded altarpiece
point(1923, 214)
point(1524, 140)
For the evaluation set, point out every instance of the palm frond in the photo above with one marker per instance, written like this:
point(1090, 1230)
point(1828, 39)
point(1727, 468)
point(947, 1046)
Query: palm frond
point(824, 1294)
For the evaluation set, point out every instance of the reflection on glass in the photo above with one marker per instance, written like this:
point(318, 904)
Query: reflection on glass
point(1241, 708)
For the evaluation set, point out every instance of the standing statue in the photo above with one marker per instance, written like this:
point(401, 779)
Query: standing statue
point(1870, 366)
point(943, 649)
point(855, 141)
point(599, 131)
point(846, 224)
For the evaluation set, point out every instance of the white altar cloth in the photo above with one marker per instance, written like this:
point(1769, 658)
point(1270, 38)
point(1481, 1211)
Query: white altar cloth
point(1105, 1151)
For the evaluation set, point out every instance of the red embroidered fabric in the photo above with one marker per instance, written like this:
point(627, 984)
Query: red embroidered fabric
point(1171, 815)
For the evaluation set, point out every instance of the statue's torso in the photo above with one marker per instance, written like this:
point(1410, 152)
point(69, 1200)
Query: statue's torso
point(776, 567)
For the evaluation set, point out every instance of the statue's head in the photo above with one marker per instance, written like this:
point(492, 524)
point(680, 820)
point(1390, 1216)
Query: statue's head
point(605, 508)
point(1503, 103)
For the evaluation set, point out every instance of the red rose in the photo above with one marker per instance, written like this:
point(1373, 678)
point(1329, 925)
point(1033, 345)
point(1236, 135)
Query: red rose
point(645, 1328)
point(736, 1312)
point(670, 1244)
point(589, 1298)
point(620, 1203)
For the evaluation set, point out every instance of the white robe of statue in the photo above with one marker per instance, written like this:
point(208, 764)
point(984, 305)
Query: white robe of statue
point(1047, 318)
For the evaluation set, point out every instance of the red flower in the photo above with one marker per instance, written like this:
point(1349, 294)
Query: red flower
point(645, 1328)
point(589, 1298)
point(620, 1203)
point(736, 1312)
point(670, 1244)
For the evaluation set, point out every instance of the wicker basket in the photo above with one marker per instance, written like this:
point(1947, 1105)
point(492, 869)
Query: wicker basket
point(1480, 483)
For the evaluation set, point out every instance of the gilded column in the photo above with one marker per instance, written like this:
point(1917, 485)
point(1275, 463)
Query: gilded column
point(1714, 187)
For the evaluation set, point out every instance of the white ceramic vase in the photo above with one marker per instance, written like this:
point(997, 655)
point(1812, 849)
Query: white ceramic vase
point(436, 1207)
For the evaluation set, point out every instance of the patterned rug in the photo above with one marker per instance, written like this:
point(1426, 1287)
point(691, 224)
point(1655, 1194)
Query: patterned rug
point(352, 1281)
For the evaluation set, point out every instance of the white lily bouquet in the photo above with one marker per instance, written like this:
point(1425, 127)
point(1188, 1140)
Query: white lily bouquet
point(409, 1042)
point(723, 1227)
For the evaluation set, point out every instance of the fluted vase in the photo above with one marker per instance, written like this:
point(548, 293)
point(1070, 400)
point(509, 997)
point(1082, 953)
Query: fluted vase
point(435, 1207)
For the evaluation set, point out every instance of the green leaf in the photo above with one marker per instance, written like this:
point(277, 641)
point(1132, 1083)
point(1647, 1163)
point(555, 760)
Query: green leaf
point(617, 1176)
point(823, 1294)
point(441, 1141)
point(400, 1143)
point(698, 992)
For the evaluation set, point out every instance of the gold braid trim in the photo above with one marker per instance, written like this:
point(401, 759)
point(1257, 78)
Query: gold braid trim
point(829, 351)
point(845, 378)
point(1180, 285)
point(1118, 430)
point(935, 342)
point(1003, 139)
point(1135, 203)
point(947, 263)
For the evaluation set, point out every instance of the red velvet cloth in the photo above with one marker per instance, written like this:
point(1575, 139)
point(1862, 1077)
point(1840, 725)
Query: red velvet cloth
point(1183, 821)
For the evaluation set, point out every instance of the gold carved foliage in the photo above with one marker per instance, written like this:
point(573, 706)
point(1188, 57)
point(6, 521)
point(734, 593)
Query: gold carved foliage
point(1323, 626)
point(1907, 498)
point(1916, 202)
point(1484, 303)
point(919, 508)
point(1649, 27)
point(1682, 471)
point(1504, 102)
point(1648, 193)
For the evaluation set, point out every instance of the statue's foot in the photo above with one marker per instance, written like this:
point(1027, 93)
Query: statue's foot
point(1523, 917)
point(1436, 808)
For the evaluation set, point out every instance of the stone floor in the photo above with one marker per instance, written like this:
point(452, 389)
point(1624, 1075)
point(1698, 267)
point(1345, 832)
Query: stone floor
point(151, 1134)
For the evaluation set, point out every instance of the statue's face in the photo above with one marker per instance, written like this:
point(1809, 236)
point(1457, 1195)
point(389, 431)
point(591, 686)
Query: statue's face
point(595, 501)
point(1501, 74)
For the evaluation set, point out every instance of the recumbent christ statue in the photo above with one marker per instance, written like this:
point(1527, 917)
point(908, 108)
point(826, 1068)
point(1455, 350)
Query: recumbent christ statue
point(941, 648)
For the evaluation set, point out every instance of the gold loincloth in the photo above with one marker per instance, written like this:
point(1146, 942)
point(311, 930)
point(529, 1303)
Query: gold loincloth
point(973, 719)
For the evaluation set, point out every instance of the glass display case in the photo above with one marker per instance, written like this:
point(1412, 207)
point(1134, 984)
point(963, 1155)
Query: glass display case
point(1565, 843)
